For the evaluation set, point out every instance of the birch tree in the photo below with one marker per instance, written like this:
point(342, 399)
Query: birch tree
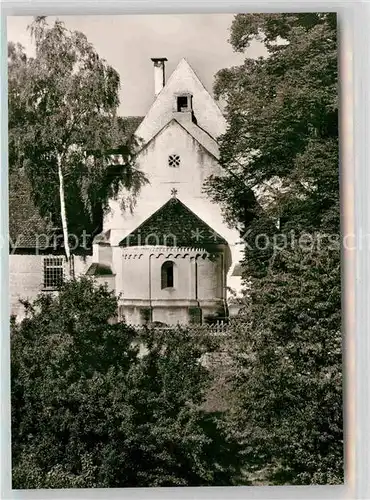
point(63, 124)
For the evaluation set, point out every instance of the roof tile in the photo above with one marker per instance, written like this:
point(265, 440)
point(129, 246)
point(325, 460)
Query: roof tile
point(174, 224)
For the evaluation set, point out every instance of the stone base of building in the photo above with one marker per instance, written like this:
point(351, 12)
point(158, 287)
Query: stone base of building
point(183, 312)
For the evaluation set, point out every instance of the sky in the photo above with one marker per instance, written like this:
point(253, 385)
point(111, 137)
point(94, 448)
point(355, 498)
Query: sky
point(128, 42)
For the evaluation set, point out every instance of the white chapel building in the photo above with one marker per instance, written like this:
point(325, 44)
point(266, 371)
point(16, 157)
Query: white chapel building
point(173, 259)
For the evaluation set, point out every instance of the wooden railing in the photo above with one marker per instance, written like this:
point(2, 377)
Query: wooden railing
point(218, 328)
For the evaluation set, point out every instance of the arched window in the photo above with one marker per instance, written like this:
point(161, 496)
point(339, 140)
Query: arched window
point(167, 274)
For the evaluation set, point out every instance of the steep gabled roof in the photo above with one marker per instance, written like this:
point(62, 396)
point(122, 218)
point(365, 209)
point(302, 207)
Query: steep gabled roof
point(27, 229)
point(174, 224)
point(124, 132)
point(98, 269)
point(198, 134)
point(207, 112)
point(128, 125)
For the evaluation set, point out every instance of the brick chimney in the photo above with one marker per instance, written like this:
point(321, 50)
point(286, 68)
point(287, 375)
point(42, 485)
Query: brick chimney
point(159, 73)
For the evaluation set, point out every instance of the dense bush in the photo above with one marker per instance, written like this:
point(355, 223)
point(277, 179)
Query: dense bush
point(89, 410)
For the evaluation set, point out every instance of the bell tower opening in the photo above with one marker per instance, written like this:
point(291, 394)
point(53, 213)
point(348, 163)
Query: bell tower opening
point(183, 103)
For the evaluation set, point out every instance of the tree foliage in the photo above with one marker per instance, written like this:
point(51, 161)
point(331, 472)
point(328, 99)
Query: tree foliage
point(62, 112)
point(282, 111)
point(92, 408)
point(280, 156)
point(287, 379)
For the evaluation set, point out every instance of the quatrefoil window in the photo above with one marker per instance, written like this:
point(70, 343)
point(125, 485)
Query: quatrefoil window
point(174, 161)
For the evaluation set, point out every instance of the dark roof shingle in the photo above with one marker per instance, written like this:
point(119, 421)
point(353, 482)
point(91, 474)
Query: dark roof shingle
point(174, 224)
point(128, 125)
point(97, 269)
point(27, 229)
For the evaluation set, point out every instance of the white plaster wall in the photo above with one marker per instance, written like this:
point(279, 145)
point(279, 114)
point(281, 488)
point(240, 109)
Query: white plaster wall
point(196, 165)
point(210, 279)
point(141, 270)
point(135, 276)
point(25, 280)
point(167, 315)
point(182, 278)
point(117, 269)
point(108, 281)
point(171, 316)
point(163, 136)
point(26, 274)
point(82, 264)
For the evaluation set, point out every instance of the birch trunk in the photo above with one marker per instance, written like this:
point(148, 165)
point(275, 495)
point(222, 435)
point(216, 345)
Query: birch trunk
point(63, 213)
